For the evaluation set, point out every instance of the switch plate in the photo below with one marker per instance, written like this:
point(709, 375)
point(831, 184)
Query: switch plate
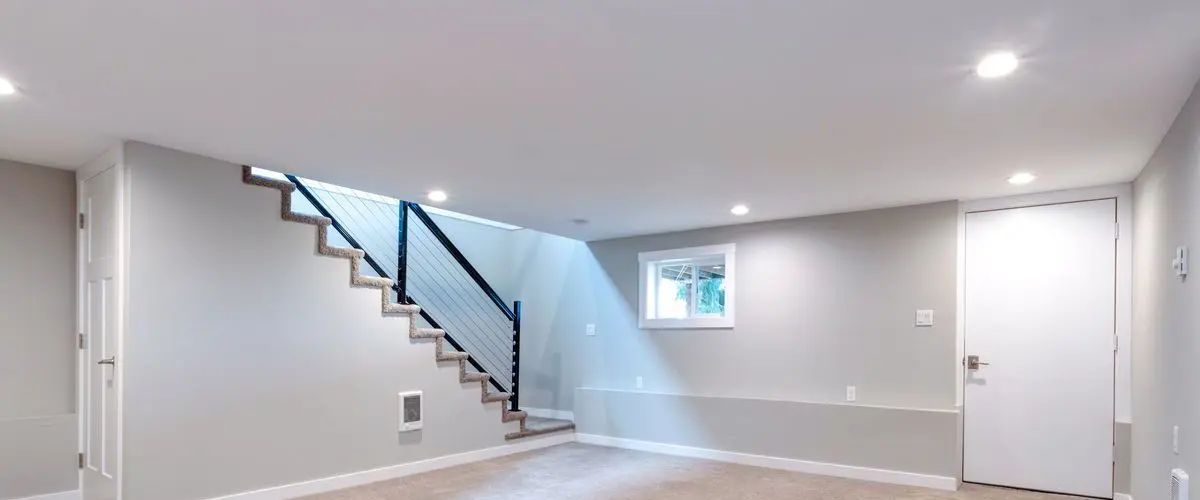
point(639, 382)
point(1180, 263)
point(591, 330)
point(851, 393)
point(924, 317)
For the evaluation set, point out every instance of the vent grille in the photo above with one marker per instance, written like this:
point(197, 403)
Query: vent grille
point(411, 411)
point(1179, 485)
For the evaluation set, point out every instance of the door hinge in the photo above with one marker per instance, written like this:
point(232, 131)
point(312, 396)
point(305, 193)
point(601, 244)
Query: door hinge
point(82, 222)
point(81, 460)
point(1116, 230)
point(81, 341)
point(1116, 343)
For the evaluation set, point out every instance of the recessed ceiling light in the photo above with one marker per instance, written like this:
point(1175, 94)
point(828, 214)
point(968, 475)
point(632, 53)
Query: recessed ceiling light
point(997, 64)
point(739, 210)
point(7, 87)
point(437, 196)
point(1021, 178)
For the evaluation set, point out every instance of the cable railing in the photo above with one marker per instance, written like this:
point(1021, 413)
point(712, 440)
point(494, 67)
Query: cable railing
point(402, 242)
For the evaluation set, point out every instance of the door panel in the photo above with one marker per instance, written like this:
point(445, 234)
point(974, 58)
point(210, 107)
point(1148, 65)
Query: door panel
point(1040, 306)
point(100, 309)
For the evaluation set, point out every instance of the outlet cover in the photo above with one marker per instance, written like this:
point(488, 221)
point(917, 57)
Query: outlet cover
point(591, 330)
point(639, 382)
point(851, 393)
point(924, 317)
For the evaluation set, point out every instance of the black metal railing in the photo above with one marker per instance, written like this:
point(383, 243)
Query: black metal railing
point(430, 272)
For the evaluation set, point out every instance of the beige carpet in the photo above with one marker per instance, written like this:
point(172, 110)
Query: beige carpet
point(577, 471)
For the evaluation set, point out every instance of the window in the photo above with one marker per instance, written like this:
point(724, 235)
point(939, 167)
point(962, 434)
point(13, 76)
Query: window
point(687, 288)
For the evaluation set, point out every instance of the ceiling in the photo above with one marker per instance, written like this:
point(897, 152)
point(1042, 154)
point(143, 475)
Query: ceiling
point(639, 117)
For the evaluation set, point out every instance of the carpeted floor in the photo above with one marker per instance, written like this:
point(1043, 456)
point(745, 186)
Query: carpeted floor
point(577, 471)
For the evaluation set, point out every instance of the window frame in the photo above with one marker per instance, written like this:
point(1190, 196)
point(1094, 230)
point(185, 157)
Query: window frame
point(648, 265)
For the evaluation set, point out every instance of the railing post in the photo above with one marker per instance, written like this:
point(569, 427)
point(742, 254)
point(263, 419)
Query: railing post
point(402, 264)
point(516, 357)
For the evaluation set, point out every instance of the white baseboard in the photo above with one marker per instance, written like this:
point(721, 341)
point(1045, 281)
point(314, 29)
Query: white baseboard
point(826, 469)
point(1122, 496)
point(396, 471)
point(544, 413)
point(62, 495)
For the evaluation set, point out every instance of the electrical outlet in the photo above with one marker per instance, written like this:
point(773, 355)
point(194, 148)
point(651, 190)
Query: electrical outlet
point(851, 393)
point(1175, 440)
point(591, 330)
point(639, 382)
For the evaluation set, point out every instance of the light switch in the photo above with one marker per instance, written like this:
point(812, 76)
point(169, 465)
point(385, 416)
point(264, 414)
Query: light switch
point(591, 330)
point(924, 317)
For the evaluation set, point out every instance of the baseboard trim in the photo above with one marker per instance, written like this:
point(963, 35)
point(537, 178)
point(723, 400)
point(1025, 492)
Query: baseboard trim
point(821, 468)
point(397, 471)
point(62, 495)
point(544, 413)
point(1122, 496)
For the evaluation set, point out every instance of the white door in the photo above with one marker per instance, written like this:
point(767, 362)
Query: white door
point(1040, 305)
point(98, 204)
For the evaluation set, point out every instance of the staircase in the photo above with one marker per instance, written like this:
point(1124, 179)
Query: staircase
point(394, 290)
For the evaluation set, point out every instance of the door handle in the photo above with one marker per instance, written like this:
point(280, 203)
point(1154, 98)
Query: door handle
point(973, 362)
point(112, 361)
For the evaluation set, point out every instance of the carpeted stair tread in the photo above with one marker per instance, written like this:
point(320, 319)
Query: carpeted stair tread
point(452, 356)
point(536, 426)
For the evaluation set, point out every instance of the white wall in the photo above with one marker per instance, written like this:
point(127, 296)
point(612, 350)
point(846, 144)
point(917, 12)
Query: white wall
point(1166, 337)
point(249, 360)
point(37, 337)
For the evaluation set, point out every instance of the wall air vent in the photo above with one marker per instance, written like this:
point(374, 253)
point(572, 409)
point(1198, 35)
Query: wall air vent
point(412, 411)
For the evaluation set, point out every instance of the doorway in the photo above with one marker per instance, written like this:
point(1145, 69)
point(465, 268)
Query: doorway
point(1040, 330)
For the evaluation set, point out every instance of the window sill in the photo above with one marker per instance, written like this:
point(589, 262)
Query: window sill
point(685, 323)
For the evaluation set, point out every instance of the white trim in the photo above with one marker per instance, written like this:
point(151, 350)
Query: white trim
point(544, 413)
point(63, 495)
point(790, 464)
point(1122, 496)
point(397, 471)
point(647, 277)
point(774, 400)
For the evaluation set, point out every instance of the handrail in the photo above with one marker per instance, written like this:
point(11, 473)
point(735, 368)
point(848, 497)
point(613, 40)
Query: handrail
point(316, 203)
point(462, 260)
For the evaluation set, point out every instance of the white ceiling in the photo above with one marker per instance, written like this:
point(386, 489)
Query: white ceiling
point(638, 116)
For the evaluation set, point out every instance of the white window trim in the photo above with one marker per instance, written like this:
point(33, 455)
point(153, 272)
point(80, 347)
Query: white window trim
point(646, 268)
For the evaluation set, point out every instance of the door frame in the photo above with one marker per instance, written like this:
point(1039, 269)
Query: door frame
point(1122, 385)
point(114, 158)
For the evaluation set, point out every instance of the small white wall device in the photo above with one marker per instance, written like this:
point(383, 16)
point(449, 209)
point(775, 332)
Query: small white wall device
point(1179, 485)
point(1180, 264)
point(412, 413)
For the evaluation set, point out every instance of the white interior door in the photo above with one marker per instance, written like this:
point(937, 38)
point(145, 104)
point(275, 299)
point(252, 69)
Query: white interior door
point(100, 383)
point(1040, 311)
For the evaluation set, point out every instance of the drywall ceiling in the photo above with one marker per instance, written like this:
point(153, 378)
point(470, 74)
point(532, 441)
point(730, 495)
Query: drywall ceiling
point(638, 116)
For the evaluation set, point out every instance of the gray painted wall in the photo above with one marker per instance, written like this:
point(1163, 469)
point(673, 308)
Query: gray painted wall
point(920, 441)
point(250, 361)
point(37, 338)
point(823, 302)
point(1166, 376)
